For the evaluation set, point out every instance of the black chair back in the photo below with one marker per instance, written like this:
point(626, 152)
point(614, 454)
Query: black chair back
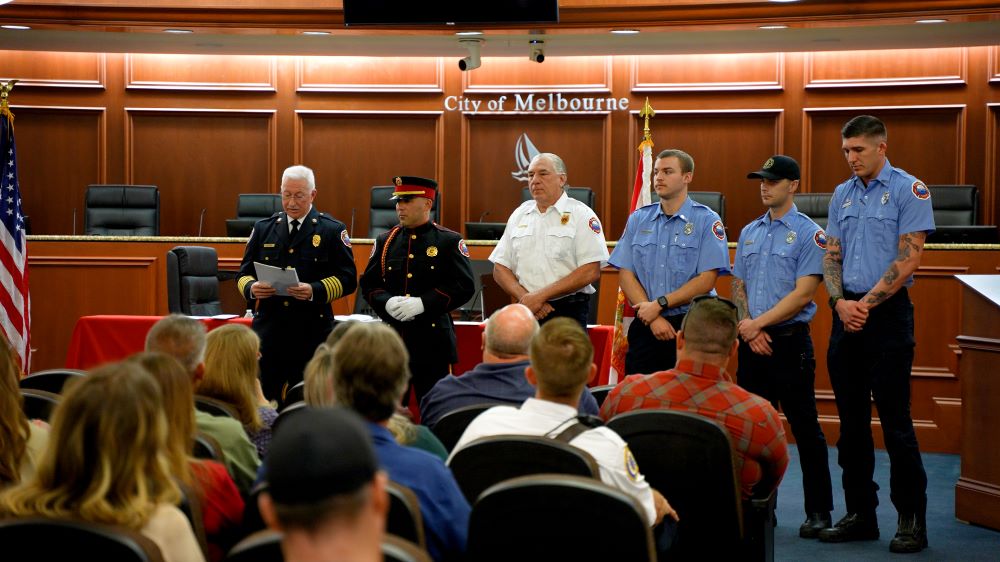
point(955, 205)
point(601, 392)
point(473, 309)
point(382, 213)
point(262, 546)
point(193, 281)
point(713, 200)
point(404, 519)
point(689, 459)
point(39, 404)
point(190, 505)
point(295, 393)
point(206, 447)
point(815, 206)
point(252, 520)
point(584, 195)
point(122, 210)
point(398, 549)
point(41, 539)
point(250, 208)
point(51, 380)
point(214, 407)
point(451, 426)
point(287, 412)
point(487, 461)
point(548, 517)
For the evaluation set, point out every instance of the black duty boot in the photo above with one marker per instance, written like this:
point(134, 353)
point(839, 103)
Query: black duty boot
point(815, 523)
point(853, 527)
point(911, 534)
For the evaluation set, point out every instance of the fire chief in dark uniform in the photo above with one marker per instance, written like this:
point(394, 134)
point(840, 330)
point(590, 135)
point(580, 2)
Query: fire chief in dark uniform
point(417, 274)
point(318, 248)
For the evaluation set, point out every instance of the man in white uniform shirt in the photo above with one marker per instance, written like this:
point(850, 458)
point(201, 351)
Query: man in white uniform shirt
point(561, 363)
point(552, 249)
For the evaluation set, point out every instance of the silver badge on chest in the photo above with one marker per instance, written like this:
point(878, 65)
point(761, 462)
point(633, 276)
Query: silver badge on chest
point(790, 237)
point(885, 197)
point(689, 228)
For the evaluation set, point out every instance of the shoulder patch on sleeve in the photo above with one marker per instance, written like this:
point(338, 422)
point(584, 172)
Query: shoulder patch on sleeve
point(463, 248)
point(820, 239)
point(719, 230)
point(346, 239)
point(595, 225)
point(631, 467)
point(920, 190)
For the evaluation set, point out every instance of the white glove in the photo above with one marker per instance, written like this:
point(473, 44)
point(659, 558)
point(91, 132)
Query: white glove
point(410, 308)
point(392, 307)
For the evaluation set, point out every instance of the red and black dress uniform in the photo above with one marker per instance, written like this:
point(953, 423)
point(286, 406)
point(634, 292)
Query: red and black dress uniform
point(289, 328)
point(430, 262)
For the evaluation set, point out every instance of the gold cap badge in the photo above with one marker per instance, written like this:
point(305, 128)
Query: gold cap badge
point(398, 180)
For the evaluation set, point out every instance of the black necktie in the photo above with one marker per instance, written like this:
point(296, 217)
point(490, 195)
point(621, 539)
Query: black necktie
point(295, 228)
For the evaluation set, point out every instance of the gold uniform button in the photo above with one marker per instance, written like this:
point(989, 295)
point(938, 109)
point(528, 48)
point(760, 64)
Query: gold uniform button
point(291, 250)
point(285, 303)
point(408, 275)
point(411, 256)
point(432, 267)
point(390, 268)
point(413, 237)
point(433, 325)
point(407, 294)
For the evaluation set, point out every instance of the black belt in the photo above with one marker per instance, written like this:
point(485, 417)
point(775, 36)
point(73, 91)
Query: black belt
point(570, 299)
point(785, 330)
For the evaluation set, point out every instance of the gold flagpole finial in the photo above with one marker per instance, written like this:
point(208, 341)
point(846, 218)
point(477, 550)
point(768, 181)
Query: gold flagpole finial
point(5, 88)
point(647, 112)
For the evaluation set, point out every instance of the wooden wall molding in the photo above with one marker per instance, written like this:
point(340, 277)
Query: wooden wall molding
point(994, 64)
point(760, 71)
point(988, 196)
point(401, 75)
point(159, 67)
point(558, 74)
point(900, 67)
point(55, 70)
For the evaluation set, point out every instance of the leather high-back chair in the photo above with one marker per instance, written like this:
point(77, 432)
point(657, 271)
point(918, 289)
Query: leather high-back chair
point(39, 404)
point(815, 206)
point(584, 195)
point(487, 461)
point(954, 205)
point(558, 517)
point(40, 538)
point(451, 426)
point(250, 208)
point(382, 212)
point(713, 200)
point(122, 210)
point(193, 281)
point(404, 519)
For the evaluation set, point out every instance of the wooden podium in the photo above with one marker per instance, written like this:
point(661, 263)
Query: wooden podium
point(977, 493)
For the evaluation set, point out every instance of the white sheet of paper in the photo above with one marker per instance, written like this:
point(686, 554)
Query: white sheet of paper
point(280, 279)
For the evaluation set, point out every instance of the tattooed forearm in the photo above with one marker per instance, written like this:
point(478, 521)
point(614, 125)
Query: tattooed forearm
point(740, 298)
point(907, 258)
point(832, 271)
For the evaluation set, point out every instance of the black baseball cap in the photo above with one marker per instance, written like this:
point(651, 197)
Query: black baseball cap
point(777, 167)
point(319, 453)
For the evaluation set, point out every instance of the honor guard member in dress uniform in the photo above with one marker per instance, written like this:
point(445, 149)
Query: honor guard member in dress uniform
point(319, 249)
point(552, 249)
point(417, 274)
point(672, 251)
point(777, 268)
point(878, 222)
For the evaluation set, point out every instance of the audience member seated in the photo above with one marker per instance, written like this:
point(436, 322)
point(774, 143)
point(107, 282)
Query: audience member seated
point(319, 392)
point(700, 384)
point(370, 375)
point(106, 463)
point(325, 492)
point(22, 442)
point(500, 377)
point(562, 361)
point(232, 374)
point(221, 503)
point(183, 339)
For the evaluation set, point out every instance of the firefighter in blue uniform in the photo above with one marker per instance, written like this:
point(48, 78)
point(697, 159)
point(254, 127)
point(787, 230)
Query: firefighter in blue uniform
point(319, 249)
point(418, 273)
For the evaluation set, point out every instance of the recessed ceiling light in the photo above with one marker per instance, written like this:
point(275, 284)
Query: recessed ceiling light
point(625, 31)
point(315, 33)
point(932, 21)
point(15, 26)
point(177, 31)
point(468, 33)
point(777, 26)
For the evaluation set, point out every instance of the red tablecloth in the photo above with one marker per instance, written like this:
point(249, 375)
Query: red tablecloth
point(101, 339)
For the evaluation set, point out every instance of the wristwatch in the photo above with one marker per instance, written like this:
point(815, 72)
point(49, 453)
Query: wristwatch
point(662, 301)
point(833, 301)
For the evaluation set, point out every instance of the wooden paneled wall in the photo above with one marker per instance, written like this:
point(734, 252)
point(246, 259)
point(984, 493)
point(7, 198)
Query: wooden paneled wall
point(206, 128)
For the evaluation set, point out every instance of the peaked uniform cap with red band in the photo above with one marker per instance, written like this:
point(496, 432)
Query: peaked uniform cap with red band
point(413, 186)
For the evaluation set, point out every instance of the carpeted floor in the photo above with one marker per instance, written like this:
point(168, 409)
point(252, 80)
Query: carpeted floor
point(949, 538)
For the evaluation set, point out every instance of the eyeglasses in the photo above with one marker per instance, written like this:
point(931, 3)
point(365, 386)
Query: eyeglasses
point(300, 197)
point(707, 298)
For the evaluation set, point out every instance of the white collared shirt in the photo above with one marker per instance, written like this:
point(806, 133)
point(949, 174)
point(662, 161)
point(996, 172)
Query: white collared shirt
point(542, 248)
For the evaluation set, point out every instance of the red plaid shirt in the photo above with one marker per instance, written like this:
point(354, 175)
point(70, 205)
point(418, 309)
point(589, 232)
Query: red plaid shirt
point(707, 390)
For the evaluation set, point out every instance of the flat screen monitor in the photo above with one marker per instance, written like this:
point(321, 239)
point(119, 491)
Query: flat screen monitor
point(484, 230)
point(437, 12)
point(977, 234)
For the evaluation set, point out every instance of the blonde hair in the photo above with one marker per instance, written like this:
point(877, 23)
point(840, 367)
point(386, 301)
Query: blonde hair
point(106, 459)
point(231, 370)
point(561, 356)
point(14, 428)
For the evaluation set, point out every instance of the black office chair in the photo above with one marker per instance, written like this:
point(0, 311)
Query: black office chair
point(206, 447)
point(815, 206)
point(558, 517)
point(193, 281)
point(295, 393)
point(250, 208)
point(398, 549)
point(601, 392)
point(955, 205)
point(122, 210)
point(51, 380)
point(713, 200)
point(286, 413)
point(39, 404)
point(262, 546)
point(382, 212)
point(689, 459)
point(451, 426)
point(214, 407)
point(473, 309)
point(40, 539)
point(404, 519)
point(487, 461)
point(584, 195)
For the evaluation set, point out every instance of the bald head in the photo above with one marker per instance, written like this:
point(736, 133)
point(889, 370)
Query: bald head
point(509, 332)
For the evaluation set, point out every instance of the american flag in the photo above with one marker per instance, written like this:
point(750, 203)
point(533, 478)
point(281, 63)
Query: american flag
point(16, 304)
